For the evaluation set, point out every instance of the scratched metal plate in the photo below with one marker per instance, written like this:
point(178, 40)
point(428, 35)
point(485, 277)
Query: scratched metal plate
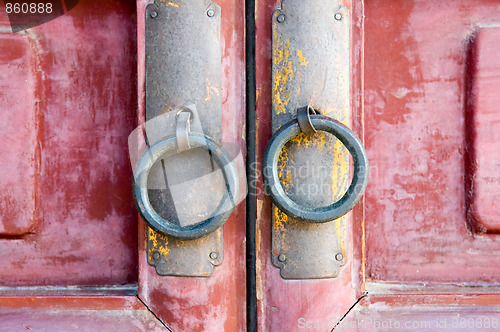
point(183, 67)
point(311, 66)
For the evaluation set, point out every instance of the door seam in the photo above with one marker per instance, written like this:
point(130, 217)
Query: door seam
point(365, 294)
point(152, 312)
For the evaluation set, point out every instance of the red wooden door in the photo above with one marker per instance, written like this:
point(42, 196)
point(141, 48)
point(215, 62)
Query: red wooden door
point(431, 120)
point(66, 203)
point(420, 247)
point(68, 234)
point(423, 243)
point(72, 247)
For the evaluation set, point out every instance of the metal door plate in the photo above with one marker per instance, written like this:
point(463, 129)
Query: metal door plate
point(311, 66)
point(183, 67)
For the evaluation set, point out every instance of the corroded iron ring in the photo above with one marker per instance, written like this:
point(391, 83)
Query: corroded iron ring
point(322, 214)
point(168, 147)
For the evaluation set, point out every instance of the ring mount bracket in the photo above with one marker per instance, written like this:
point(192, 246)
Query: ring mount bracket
point(183, 69)
point(310, 67)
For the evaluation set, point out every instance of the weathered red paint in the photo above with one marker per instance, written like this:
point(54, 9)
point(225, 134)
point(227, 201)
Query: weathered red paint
point(18, 134)
point(72, 313)
point(415, 72)
point(481, 298)
point(282, 304)
point(217, 303)
point(414, 94)
point(424, 313)
point(483, 124)
point(66, 142)
point(408, 85)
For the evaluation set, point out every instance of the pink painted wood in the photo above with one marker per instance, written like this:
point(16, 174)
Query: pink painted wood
point(66, 150)
point(415, 130)
point(483, 130)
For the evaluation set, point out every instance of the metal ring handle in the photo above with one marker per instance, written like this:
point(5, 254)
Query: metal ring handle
point(322, 214)
point(168, 147)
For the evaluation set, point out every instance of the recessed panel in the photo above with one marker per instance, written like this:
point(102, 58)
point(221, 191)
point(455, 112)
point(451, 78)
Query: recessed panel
point(19, 148)
point(416, 138)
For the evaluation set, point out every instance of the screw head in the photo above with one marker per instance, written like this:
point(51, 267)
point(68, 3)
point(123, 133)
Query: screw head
point(153, 14)
point(338, 16)
point(339, 257)
point(211, 13)
point(156, 255)
point(213, 255)
point(282, 258)
point(280, 18)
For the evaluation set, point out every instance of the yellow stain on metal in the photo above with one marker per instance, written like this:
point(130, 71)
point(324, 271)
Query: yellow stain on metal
point(173, 4)
point(160, 243)
point(211, 90)
point(317, 140)
point(152, 236)
point(302, 58)
point(284, 75)
point(285, 180)
point(280, 219)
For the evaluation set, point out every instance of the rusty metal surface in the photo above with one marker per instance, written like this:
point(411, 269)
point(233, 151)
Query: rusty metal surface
point(180, 257)
point(311, 66)
point(183, 67)
point(183, 60)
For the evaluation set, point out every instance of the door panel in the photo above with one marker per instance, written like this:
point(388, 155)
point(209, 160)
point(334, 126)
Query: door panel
point(288, 305)
point(427, 102)
point(419, 138)
point(217, 302)
point(67, 207)
point(422, 94)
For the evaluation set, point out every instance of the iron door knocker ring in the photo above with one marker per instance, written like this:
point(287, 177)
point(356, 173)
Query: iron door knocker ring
point(310, 123)
point(185, 140)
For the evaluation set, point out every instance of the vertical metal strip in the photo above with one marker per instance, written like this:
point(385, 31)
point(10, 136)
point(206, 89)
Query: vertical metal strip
point(251, 200)
point(183, 68)
point(311, 67)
